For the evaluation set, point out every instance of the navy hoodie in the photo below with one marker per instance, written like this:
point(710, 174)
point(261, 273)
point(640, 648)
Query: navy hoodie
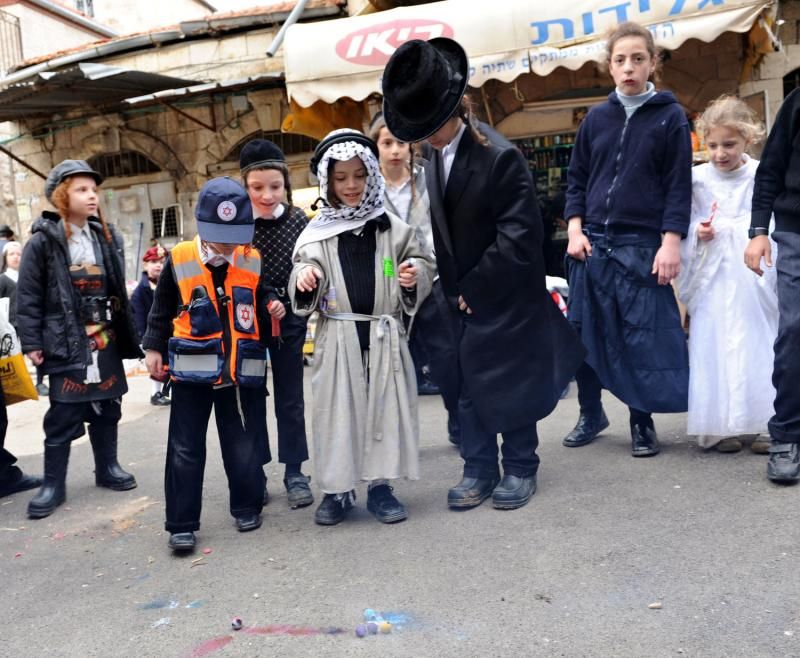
point(633, 172)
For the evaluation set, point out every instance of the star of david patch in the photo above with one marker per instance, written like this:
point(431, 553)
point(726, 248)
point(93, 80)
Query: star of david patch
point(245, 314)
point(226, 211)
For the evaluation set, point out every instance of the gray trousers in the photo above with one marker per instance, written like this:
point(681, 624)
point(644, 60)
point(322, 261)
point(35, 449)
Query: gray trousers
point(784, 426)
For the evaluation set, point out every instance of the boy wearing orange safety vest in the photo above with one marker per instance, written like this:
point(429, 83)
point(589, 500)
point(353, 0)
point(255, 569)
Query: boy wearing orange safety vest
point(210, 319)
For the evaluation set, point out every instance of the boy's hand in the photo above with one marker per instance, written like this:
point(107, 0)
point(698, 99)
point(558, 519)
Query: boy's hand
point(579, 246)
point(462, 306)
point(307, 278)
point(407, 274)
point(705, 232)
point(667, 263)
point(36, 357)
point(276, 309)
point(155, 365)
point(758, 248)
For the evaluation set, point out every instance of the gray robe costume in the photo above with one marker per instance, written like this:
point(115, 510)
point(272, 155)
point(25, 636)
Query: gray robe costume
point(365, 423)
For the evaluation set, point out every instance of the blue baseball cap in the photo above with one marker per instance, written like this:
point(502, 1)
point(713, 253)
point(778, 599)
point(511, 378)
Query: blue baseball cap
point(224, 213)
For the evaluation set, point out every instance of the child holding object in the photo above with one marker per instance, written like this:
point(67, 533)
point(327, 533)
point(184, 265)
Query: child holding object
point(734, 313)
point(362, 268)
point(210, 316)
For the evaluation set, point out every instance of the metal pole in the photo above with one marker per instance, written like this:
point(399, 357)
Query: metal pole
point(293, 17)
point(3, 149)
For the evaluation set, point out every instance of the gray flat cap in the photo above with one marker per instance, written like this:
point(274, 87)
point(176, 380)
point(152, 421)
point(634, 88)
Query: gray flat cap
point(66, 169)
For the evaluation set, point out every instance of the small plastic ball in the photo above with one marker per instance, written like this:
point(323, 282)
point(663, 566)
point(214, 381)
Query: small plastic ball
point(372, 628)
point(236, 624)
point(385, 627)
point(369, 614)
point(361, 630)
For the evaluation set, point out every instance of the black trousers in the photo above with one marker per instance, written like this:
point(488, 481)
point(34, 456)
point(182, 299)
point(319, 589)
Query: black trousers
point(479, 446)
point(244, 450)
point(65, 421)
point(433, 343)
point(286, 359)
point(589, 396)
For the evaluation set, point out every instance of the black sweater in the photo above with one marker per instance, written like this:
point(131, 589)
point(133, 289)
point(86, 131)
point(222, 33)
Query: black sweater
point(777, 184)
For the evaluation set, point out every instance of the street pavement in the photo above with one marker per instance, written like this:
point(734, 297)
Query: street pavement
point(685, 554)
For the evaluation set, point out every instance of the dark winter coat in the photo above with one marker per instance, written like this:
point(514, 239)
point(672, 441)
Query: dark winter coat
point(633, 172)
point(48, 305)
point(141, 301)
point(516, 350)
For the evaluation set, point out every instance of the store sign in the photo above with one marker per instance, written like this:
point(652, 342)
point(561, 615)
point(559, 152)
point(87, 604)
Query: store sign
point(327, 60)
point(373, 46)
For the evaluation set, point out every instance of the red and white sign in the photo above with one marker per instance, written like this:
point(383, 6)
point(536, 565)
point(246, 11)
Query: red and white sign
point(245, 314)
point(374, 45)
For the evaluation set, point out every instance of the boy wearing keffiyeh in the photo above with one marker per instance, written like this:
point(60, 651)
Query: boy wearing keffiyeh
point(361, 267)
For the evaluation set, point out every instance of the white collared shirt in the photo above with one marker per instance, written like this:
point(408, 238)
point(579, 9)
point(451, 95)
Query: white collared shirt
point(400, 197)
point(207, 255)
point(279, 210)
point(81, 245)
point(449, 152)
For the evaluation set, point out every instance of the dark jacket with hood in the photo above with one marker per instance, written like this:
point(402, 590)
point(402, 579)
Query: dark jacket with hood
point(48, 305)
point(141, 302)
point(633, 172)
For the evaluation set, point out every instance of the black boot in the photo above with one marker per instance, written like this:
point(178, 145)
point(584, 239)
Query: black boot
point(586, 430)
point(107, 471)
point(54, 490)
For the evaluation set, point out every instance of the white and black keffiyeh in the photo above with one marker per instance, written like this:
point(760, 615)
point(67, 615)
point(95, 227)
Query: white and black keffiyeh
point(331, 221)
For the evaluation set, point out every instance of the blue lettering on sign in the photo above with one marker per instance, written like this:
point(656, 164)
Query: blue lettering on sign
point(619, 13)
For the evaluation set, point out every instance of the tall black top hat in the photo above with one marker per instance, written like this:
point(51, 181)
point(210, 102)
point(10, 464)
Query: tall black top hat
point(422, 87)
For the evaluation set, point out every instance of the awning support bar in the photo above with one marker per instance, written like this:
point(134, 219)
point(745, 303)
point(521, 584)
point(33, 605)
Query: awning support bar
point(293, 17)
point(212, 126)
point(3, 149)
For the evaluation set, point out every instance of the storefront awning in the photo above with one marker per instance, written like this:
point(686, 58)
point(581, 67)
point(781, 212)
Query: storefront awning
point(504, 39)
point(86, 85)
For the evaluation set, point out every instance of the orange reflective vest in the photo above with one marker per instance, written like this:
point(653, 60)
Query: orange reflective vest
point(199, 352)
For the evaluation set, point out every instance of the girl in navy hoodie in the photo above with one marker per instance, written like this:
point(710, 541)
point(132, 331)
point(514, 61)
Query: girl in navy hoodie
point(628, 206)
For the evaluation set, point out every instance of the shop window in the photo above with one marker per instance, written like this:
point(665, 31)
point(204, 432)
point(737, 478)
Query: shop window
point(791, 81)
point(123, 163)
point(289, 143)
point(166, 222)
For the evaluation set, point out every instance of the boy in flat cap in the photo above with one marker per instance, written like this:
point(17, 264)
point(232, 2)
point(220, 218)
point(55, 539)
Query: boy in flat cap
point(74, 321)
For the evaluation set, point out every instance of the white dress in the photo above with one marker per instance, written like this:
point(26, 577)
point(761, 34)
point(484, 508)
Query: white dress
point(734, 312)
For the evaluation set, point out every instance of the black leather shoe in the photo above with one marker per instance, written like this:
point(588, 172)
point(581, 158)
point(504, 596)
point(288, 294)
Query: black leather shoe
point(513, 491)
point(384, 506)
point(15, 481)
point(426, 387)
point(644, 441)
point(471, 492)
point(160, 400)
point(248, 522)
point(299, 493)
point(182, 541)
point(332, 511)
point(586, 429)
point(784, 462)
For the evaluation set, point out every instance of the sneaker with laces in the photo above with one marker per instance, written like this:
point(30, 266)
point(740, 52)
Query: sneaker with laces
point(384, 506)
point(784, 462)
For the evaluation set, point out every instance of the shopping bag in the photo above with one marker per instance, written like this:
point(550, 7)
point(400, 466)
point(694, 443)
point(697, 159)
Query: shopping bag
point(14, 377)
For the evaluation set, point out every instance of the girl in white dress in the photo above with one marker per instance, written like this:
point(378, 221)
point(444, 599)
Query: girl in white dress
point(733, 312)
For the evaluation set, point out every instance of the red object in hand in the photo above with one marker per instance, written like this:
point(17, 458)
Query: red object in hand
point(276, 323)
point(711, 216)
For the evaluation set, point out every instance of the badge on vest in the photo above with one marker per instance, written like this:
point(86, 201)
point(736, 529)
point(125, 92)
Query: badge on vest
point(245, 313)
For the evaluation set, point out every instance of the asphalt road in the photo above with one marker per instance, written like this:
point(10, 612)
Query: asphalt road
point(685, 554)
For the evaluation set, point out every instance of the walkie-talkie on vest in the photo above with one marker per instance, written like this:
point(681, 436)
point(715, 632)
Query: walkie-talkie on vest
point(198, 292)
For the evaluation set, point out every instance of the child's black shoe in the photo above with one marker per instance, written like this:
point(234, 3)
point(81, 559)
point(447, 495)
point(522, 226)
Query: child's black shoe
point(299, 493)
point(182, 541)
point(248, 522)
point(384, 506)
point(334, 508)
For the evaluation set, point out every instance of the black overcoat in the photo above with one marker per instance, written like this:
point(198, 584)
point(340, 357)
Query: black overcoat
point(516, 350)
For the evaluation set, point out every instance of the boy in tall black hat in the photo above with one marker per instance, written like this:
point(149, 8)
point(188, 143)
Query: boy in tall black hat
point(516, 351)
point(278, 223)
